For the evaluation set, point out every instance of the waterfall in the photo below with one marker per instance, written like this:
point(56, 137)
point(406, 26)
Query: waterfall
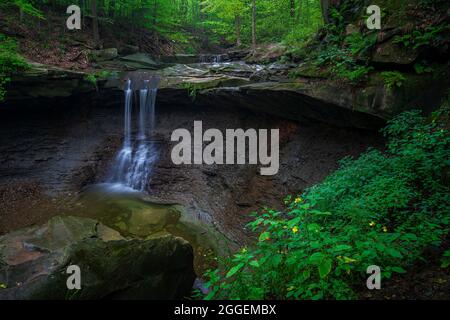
point(134, 162)
point(211, 58)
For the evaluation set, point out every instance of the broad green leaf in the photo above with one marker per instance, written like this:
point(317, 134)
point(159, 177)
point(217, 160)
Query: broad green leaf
point(254, 263)
point(321, 213)
point(264, 236)
point(316, 258)
point(325, 267)
point(394, 253)
point(315, 244)
point(398, 270)
point(313, 227)
point(235, 269)
point(306, 274)
point(342, 247)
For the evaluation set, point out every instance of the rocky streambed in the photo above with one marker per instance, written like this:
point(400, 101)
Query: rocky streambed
point(59, 134)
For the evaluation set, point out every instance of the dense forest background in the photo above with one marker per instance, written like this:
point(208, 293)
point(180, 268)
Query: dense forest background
point(224, 22)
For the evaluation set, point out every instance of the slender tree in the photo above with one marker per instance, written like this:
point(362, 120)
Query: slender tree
point(292, 9)
point(254, 24)
point(95, 29)
point(238, 30)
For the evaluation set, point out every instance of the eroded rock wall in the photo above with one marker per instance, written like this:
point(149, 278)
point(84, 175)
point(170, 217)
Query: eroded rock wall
point(61, 147)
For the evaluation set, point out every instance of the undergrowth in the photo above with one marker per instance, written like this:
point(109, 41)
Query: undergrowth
point(10, 62)
point(384, 209)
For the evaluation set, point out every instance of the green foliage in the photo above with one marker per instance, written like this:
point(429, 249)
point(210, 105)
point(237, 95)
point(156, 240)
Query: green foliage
point(343, 64)
point(93, 78)
point(10, 62)
point(192, 89)
point(382, 209)
point(346, 56)
point(275, 20)
point(25, 6)
point(393, 79)
point(446, 259)
point(431, 36)
point(421, 68)
point(184, 22)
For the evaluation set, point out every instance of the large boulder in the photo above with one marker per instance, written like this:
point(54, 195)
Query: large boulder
point(181, 58)
point(140, 61)
point(366, 107)
point(34, 261)
point(103, 55)
point(43, 81)
point(135, 61)
point(127, 49)
point(390, 52)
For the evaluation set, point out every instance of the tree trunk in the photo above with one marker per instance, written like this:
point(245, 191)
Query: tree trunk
point(254, 24)
point(307, 13)
point(184, 10)
point(95, 23)
point(238, 30)
point(325, 4)
point(292, 9)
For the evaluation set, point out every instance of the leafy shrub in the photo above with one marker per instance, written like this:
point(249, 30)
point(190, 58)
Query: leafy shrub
point(432, 36)
point(446, 259)
point(24, 5)
point(93, 78)
point(393, 79)
point(10, 62)
point(360, 44)
point(382, 209)
point(421, 68)
point(342, 55)
point(343, 64)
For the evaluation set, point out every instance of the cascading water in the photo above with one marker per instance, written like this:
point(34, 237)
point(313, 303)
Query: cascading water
point(211, 58)
point(134, 162)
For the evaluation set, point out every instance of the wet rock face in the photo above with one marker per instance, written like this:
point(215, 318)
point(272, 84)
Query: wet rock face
point(225, 195)
point(33, 263)
point(46, 81)
point(181, 58)
point(61, 144)
point(268, 89)
point(65, 148)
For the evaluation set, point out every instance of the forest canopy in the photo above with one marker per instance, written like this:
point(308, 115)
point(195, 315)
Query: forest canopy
point(229, 22)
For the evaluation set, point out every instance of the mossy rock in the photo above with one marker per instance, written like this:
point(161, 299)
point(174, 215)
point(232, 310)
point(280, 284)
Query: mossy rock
point(140, 59)
point(33, 263)
point(310, 70)
point(181, 59)
point(394, 53)
point(102, 55)
point(42, 81)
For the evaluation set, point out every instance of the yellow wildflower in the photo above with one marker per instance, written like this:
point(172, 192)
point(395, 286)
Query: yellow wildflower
point(385, 229)
point(298, 200)
point(372, 224)
point(295, 229)
point(244, 250)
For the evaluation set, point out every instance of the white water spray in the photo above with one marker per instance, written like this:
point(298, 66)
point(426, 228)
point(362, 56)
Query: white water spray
point(134, 162)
